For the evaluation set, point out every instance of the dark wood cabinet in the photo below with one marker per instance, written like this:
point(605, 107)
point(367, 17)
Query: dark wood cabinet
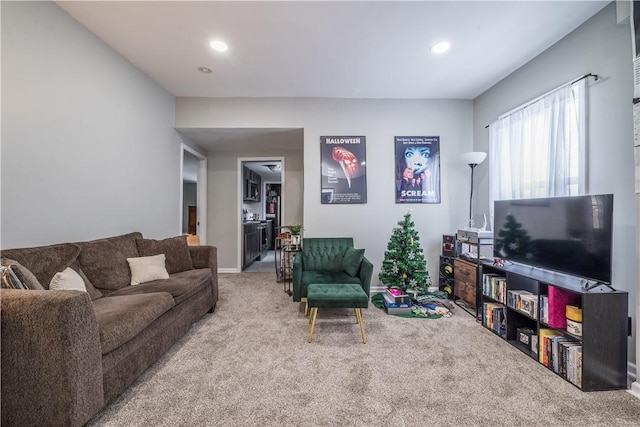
point(252, 187)
point(250, 243)
point(465, 282)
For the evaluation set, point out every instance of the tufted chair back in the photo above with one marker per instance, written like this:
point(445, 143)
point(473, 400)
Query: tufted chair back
point(325, 253)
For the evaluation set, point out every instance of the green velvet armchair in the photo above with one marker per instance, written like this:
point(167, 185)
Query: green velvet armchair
point(330, 260)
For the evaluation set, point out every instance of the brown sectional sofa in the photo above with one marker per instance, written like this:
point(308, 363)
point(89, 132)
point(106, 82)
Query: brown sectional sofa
point(67, 353)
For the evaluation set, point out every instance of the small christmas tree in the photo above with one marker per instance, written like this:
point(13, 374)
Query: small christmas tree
point(513, 240)
point(404, 266)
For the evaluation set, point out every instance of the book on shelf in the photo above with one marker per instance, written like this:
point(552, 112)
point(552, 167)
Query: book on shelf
point(529, 305)
point(494, 317)
point(397, 296)
point(544, 309)
point(545, 336)
point(514, 297)
point(494, 286)
point(574, 365)
point(563, 368)
point(556, 352)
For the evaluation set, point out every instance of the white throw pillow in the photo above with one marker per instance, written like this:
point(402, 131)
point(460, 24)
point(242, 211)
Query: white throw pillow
point(147, 268)
point(68, 280)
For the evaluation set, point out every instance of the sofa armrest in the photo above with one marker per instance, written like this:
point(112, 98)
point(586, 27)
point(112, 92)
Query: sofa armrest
point(297, 277)
point(207, 257)
point(204, 257)
point(365, 274)
point(51, 358)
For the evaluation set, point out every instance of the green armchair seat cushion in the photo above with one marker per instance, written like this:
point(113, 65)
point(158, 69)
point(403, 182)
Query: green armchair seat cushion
point(325, 278)
point(342, 295)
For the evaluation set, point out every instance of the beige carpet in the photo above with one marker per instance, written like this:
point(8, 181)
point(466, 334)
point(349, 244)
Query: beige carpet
point(249, 364)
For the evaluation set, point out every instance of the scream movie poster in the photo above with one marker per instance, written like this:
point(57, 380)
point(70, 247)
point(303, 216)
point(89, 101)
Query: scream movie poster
point(417, 169)
point(344, 177)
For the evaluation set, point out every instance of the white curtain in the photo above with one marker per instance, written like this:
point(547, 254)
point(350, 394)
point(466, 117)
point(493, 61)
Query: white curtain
point(538, 150)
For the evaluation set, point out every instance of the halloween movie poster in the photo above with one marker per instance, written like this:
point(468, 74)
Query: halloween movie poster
point(417, 169)
point(344, 174)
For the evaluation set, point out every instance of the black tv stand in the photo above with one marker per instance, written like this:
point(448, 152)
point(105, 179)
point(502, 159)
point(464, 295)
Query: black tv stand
point(515, 304)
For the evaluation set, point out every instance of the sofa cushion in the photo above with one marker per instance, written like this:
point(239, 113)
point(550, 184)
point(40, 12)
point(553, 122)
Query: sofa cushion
point(67, 280)
point(93, 292)
point(147, 268)
point(180, 285)
point(324, 277)
point(104, 261)
point(120, 318)
point(22, 274)
point(352, 260)
point(175, 249)
point(44, 261)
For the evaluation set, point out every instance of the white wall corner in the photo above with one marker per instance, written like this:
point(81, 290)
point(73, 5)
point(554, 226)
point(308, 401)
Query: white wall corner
point(377, 289)
point(623, 10)
point(635, 389)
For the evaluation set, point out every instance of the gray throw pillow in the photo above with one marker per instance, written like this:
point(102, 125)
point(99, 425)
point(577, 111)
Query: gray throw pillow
point(175, 250)
point(352, 260)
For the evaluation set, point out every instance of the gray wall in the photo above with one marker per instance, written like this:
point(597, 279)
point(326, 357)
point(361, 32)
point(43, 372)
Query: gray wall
point(224, 201)
point(88, 145)
point(370, 224)
point(600, 46)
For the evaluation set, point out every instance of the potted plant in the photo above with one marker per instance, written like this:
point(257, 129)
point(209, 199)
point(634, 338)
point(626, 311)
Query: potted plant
point(296, 231)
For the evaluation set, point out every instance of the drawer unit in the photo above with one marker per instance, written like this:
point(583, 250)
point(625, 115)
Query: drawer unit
point(465, 275)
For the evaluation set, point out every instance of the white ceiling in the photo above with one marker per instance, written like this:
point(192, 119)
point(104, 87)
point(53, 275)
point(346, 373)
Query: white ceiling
point(357, 49)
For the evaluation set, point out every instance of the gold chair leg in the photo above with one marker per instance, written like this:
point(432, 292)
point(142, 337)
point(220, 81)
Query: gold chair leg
point(306, 306)
point(361, 321)
point(314, 315)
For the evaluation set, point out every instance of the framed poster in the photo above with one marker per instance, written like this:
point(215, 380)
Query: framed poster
point(344, 174)
point(417, 169)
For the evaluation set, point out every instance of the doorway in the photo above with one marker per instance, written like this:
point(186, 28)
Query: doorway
point(260, 207)
point(193, 193)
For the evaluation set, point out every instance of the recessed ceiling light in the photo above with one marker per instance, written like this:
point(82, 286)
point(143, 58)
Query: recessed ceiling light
point(440, 47)
point(218, 45)
point(205, 70)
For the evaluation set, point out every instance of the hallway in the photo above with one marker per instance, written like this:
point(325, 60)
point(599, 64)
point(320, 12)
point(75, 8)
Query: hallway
point(266, 265)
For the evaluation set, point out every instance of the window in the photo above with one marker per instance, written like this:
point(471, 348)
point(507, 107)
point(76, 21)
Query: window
point(538, 149)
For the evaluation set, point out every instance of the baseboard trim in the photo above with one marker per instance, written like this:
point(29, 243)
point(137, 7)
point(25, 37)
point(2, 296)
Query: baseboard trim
point(635, 389)
point(229, 270)
point(632, 371)
point(377, 289)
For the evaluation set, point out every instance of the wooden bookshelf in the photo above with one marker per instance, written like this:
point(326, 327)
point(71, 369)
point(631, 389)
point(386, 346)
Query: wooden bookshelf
point(602, 364)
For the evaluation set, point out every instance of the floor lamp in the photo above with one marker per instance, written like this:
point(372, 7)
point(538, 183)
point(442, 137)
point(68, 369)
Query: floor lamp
point(473, 159)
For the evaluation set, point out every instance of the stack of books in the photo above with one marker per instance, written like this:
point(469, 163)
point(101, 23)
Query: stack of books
point(396, 302)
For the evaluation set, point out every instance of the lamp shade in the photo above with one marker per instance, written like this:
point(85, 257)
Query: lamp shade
point(474, 157)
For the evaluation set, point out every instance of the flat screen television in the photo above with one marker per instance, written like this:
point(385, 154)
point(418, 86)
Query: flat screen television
point(571, 235)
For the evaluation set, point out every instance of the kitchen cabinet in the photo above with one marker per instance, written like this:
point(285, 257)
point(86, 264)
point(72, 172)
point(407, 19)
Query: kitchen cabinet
point(251, 243)
point(252, 185)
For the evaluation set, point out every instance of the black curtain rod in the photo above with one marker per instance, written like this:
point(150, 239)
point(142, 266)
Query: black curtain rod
point(595, 77)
